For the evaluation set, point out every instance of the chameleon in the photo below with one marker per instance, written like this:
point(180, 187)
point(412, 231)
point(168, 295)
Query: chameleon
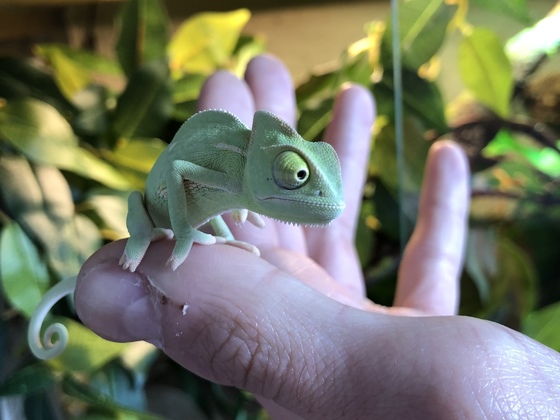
point(216, 165)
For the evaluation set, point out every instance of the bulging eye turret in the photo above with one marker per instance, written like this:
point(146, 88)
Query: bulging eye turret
point(290, 170)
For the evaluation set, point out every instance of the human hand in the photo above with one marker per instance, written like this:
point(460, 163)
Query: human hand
point(294, 326)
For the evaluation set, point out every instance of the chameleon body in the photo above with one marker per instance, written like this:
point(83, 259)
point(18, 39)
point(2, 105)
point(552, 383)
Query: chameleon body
point(215, 165)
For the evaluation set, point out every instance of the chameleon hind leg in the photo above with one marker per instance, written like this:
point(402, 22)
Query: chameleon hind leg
point(142, 232)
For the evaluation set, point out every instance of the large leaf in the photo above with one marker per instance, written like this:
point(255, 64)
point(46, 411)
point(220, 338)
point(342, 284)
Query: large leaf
point(44, 136)
point(486, 70)
point(70, 77)
point(101, 402)
point(29, 379)
point(144, 34)
point(206, 41)
point(19, 79)
point(517, 9)
point(86, 351)
point(421, 98)
point(84, 59)
point(24, 273)
point(145, 105)
point(422, 30)
point(544, 326)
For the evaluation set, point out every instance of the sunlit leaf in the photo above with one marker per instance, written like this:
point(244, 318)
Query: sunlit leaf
point(517, 9)
point(206, 41)
point(527, 47)
point(112, 209)
point(69, 75)
point(86, 60)
point(28, 379)
point(544, 326)
point(86, 351)
point(545, 159)
point(144, 34)
point(146, 103)
point(486, 70)
point(422, 30)
point(44, 136)
point(24, 273)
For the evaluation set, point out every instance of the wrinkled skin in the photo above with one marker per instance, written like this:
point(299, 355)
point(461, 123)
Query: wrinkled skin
point(294, 327)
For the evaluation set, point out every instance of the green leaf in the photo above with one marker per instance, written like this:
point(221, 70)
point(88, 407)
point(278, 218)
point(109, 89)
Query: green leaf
point(70, 77)
point(486, 70)
point(112, 210)
point(86, 351)
point(84, 393)
point(144, 34)
point(206, 41)
point(86, 60)
point(138, 154)
point(44, 136)
point(421, 98)
point(187, 87)
point(546, 160)
point(24, 273)
point(313, 121)
point(516, 9)
point(29, 379)
point(544, 326)
point(422, 30)
point(145, 105)
point(20, 80)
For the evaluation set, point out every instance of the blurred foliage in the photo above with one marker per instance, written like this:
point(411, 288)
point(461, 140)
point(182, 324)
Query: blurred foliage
point(78, 131)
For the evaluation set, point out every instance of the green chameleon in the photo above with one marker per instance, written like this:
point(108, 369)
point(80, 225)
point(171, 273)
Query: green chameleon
point(216, 165)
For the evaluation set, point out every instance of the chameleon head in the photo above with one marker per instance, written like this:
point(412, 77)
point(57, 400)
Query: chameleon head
point(289, 178)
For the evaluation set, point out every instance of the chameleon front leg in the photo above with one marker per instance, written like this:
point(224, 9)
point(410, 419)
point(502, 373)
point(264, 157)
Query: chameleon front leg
point(222, 230)
point(142, 232)
point(185, 234)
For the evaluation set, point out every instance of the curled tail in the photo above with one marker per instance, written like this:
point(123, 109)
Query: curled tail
point(45, 349)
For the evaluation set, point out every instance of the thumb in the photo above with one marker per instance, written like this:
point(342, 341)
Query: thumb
point(228, 316)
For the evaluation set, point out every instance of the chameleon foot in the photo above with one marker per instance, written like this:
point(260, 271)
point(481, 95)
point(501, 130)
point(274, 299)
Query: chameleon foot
point(243, 245)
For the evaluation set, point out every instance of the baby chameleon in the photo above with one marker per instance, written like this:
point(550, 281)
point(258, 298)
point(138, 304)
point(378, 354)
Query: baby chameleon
point(215, 165)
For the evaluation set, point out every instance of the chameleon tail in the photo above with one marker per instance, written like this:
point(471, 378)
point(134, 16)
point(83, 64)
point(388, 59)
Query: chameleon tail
point(45, 349)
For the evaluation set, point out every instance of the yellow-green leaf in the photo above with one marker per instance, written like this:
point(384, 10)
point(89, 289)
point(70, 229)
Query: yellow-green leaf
point(44, 136)
point(70, 77)
point(24, 273)
point(206, 41)
point(486, 70)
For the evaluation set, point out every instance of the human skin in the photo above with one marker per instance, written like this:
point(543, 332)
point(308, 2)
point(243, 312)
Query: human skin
point(294, 327)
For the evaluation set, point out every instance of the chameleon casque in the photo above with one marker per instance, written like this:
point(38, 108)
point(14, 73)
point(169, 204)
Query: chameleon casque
point(215, 165)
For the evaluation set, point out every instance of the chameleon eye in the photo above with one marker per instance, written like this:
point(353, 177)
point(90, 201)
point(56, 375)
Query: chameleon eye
point(290, 170)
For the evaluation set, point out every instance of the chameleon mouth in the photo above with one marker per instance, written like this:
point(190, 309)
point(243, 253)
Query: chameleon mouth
point(307, 213)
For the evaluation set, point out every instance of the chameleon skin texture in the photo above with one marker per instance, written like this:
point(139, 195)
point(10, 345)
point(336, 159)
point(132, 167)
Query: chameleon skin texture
point(214, 165)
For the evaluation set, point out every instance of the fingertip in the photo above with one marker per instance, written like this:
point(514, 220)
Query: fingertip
point(113, 302)
point(224, 90)
point(271, 84)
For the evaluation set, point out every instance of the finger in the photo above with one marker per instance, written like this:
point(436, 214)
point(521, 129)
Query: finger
point(223, 90)
point(271, 85)
point(433, 258)
point(350, 134)
point(242, 323)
